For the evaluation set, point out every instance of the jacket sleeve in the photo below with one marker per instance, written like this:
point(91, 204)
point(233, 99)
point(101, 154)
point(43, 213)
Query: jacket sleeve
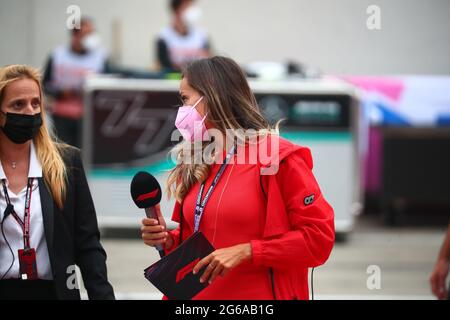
point(47, 81)
point(162, 52)
point(310, 239)
point(89, 253)
point(175, 233)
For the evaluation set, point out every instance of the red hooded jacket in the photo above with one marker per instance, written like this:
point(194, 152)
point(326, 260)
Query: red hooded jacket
point(297, 227)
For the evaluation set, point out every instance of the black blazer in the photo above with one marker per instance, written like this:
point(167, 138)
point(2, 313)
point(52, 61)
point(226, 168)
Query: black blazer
point(73, 237)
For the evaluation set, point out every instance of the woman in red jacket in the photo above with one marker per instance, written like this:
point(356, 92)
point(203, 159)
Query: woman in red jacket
point(267, 218)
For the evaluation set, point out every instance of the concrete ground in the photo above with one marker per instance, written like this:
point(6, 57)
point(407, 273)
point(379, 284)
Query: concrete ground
point(376, 262)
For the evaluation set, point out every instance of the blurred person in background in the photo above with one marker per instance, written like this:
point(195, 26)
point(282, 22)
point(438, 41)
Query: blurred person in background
point(439, 275)
point(182, 41)
point(47, 216)
point(65, 71)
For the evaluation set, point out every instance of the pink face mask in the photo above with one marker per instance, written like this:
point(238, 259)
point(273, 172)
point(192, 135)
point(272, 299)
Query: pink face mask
point(191, 124)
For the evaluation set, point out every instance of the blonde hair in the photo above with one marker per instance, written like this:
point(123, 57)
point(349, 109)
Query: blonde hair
point(230, 104)
point(49, 152)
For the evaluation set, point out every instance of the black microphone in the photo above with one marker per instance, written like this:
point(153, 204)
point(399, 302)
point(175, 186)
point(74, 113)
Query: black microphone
point(146, 194)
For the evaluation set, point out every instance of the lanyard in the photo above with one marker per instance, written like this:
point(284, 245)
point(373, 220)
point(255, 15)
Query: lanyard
point(200, 205)
point(25, 225)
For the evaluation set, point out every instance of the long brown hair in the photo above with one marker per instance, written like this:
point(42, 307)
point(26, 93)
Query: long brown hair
point(48, 151)
point(230, 104)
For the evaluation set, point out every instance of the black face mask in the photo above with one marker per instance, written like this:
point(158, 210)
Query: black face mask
point(20, 128)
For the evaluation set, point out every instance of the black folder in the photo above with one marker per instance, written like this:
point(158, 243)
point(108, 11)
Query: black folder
point(173, 276)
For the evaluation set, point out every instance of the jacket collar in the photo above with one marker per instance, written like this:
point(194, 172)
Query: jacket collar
point(47, 216)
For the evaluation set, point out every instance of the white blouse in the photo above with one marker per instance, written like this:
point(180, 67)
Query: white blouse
point(13, 231)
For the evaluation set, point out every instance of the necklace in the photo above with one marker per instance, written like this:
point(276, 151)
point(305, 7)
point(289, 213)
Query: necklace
point(13, 164)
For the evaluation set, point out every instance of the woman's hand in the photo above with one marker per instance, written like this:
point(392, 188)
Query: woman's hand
point(223, 260)
point(154, 232)
point(437, 279)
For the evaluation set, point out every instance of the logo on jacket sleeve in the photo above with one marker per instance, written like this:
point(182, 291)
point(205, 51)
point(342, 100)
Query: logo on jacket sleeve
point(308, 200)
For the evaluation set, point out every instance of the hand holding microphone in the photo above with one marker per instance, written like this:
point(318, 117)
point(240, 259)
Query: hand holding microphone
point(154, 231)
point(146, 194)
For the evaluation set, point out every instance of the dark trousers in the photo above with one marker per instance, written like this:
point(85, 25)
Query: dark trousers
point(68, 130)
point(13, 289)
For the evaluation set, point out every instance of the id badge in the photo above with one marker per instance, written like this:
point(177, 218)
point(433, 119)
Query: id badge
point(27, 262)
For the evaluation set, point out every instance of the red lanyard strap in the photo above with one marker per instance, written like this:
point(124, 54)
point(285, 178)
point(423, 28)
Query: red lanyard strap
point(25, 225)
